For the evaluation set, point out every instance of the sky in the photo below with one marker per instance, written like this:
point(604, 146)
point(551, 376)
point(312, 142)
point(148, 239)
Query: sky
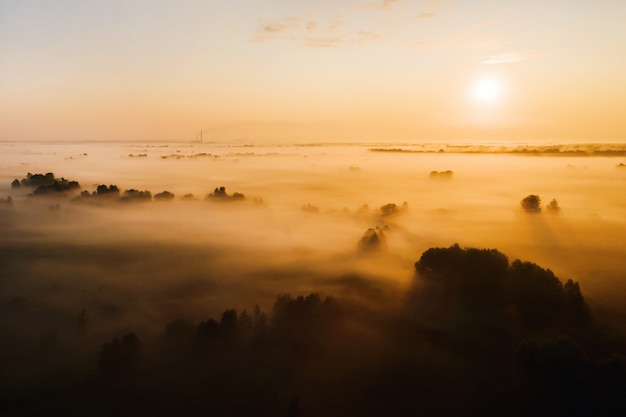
point(265, 71)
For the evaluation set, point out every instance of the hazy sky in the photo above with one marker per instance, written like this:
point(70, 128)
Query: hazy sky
point(313, 70)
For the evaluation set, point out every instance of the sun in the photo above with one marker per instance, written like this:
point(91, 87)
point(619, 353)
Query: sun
point(487, 89)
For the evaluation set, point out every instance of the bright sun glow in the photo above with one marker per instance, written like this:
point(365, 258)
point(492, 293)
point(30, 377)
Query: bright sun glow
point(487, 90)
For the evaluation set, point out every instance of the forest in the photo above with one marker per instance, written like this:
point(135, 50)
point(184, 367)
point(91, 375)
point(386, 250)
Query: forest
point(475, 335)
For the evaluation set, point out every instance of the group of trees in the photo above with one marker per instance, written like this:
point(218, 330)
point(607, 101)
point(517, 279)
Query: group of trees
point(45, 184)
point(441, 175)
point(478, 335)
point(310, 208)
point(522, 294)
point(219, 194)
point(518, 339)
point(390, 209)
point(112, 192)
point(373, 240)
point(103, 192)
point(532, 204)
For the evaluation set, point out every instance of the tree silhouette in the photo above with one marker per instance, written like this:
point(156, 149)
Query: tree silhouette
point(259, 323)
point(121, 358)
point(208, 333)
point(473, 277)
point(103, 190)
point(559, 370)
point(245, 325)
point(136, 195)
point(310, 208)
point(373, 239)
point(229, 325)
point(219, 194)
point(389, 209)
point(483, 280)
point(164, 196)
point(531, 203)
point(553, 206)
point(37, 180)
point(445, 175)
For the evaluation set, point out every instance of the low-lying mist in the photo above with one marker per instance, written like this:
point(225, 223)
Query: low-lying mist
point(339, 221)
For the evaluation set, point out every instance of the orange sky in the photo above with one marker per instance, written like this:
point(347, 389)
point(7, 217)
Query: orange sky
point(313, 70)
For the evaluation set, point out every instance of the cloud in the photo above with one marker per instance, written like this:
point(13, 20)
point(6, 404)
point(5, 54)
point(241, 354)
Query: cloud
point(270, 28)
point(365, 35)
point(426, 15)
point(504, 58)
point(365, 23)
point(382, 5)
point(320, 42)
point(313, 32)
point(387, 4)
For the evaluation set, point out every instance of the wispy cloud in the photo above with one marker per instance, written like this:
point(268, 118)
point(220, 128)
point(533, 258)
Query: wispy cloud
point(389, 3)
point(382, 5)
point(320, 41)
point(504, 58)
point(312, 32)
point(278, 26)
point(426, 15)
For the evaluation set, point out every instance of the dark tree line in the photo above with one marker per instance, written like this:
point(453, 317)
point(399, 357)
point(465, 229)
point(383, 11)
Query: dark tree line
point(220, 194)
point(46, 184)
point(478, 335)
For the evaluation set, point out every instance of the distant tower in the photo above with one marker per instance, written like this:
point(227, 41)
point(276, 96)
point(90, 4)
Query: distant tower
point(199, 135)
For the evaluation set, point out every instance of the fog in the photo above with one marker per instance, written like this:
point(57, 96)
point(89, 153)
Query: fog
point(477, 207)
point(135, 266)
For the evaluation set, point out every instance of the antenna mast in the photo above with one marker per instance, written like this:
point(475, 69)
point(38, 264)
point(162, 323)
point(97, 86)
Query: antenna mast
point(199, 135)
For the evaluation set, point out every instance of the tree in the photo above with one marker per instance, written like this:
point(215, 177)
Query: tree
point(110, 190)
point(531, 203)
point(245, 325)
point(372, 240)
point(208, 333)
point(136, 195)
point(553, 206)
point(164, 196)
point(388, 209)
point(229, 325)
point(121, 358)
point(259, 323)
